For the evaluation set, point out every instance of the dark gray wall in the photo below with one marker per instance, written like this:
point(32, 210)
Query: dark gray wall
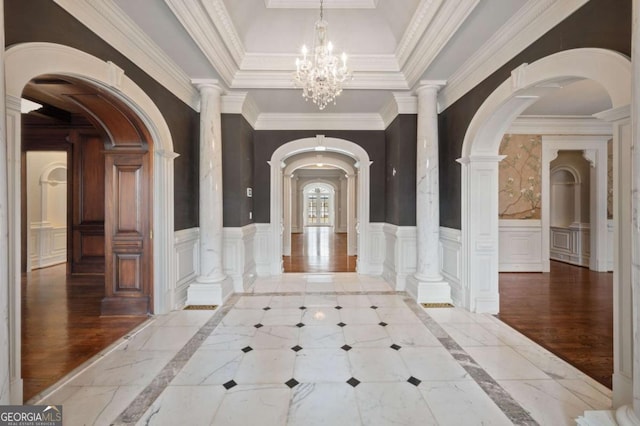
point(599, 23)
point(44, 21)
point(267, 141)
point(401, 137)
point(237, 170)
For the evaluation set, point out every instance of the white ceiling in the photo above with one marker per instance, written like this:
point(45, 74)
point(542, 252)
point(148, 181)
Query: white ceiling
point(251, 45)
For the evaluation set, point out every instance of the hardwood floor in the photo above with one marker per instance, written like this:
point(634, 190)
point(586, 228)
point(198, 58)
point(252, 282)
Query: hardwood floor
point(569, 311)
point(319, 249)
point(62, 326)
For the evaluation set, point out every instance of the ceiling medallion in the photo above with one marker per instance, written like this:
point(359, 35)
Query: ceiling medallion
point(321, 74)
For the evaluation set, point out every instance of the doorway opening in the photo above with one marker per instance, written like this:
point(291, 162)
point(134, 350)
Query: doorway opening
point(75, 185)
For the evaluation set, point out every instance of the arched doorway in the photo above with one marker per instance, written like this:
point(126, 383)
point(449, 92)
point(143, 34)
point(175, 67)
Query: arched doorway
point(27, 61)
point(480, 161)
point(280, 174)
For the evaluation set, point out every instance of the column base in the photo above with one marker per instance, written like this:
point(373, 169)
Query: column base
point(625, 416)
point(209, 293)
point(597, 418)
point(424, 291)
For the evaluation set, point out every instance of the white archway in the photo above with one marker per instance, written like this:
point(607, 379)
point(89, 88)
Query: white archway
point(311, 159)
point(320, 187)
point(24, 62)
point(277, 164)
point(479, 287)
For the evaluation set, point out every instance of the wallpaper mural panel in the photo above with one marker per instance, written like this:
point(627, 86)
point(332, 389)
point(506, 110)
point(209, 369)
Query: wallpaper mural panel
point(520, 177)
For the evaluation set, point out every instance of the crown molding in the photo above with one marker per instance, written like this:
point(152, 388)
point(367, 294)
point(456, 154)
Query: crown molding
point(111, 24)
point(240, 103)
point(559, 125)
point(422, 17)
point(449, 18)
point(615, 114)
point(313, 4)
point(224, 24)
point(532, 21)
point(282, 80)
point(197, 21)
point(287, 62)
point(400, 103)
point(319, 121)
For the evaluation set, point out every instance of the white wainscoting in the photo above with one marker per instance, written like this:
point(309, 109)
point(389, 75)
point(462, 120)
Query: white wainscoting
point(451, 263)
point(610, 229)
point(400, 254)
point(187, 258)
point(262, 249)
point(376, 249)
point(239, 256)
point(48, 245)
point(520, 246)
point(571, 244)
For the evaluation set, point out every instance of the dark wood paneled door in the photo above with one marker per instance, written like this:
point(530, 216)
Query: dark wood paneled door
point(128, 244)
point(87, 206)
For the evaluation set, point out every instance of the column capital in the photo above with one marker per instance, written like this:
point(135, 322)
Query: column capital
point(430, 84)
point(203, 84)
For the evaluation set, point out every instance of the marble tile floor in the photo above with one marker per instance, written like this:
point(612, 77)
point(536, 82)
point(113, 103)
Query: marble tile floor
point(327, 349)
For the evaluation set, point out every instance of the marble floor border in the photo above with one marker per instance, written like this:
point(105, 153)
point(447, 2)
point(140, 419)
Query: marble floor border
point(505, 402)
point(143, 401)
point(509, 406)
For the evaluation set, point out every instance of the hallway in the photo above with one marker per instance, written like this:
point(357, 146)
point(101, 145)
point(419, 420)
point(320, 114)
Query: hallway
point(61, 325)
point(326, 349)
point(319, 249)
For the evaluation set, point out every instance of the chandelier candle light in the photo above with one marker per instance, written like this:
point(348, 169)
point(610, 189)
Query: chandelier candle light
point(321, 74)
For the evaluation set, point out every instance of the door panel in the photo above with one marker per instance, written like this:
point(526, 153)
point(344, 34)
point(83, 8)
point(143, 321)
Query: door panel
point(127, 233)
point(88, 204)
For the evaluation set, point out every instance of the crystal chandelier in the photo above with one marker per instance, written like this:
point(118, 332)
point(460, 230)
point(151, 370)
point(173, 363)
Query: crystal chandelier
point(321, 74)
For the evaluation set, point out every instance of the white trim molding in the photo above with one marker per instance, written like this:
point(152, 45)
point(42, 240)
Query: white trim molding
point(451, 262)
point(187, 261)
point(239, 256)
point(520, 247)
point(317, 121)
point(533, 20)
point(400, 254)
point(559, 125)
point(110, 23)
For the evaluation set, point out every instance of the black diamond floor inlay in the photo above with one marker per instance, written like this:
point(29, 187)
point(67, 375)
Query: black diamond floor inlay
point(266, 308)
point(258, 325)
point(296, 348)
point(299, 325)
point(229, 384)
point(396, 347)
point(247, 349)
point(341, 324)
point(292, 383)
point(353, 382)
point(374, 307)
point(302, 308)
point(346, 348)
point(338, 307)
point(414, 381)
point(384, 324)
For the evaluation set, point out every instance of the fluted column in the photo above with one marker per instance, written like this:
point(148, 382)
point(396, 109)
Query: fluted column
point(209, 287)
point(431, 288)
